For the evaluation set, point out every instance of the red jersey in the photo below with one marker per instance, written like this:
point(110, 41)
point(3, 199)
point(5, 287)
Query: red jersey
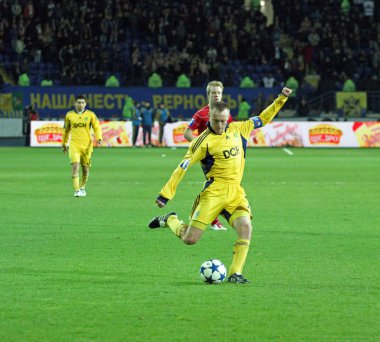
point(200, 120)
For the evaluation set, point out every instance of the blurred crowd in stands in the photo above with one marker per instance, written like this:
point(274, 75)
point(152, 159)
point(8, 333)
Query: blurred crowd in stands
point(85, 43)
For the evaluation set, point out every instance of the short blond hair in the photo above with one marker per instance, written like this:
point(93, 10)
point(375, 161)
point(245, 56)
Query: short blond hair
point(213, 84)
point(219, 107)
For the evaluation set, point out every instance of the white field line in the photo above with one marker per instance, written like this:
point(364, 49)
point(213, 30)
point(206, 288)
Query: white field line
point(287, 151)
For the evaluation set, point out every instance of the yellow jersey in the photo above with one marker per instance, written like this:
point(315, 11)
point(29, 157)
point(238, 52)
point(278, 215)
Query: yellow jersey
point(80, 125)
point(222, 156)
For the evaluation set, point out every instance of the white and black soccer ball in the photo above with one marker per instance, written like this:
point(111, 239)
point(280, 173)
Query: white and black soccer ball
point(213, 271)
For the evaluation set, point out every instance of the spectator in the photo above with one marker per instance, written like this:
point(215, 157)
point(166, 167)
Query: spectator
point(136, 122)
point(128, 108)
point(147, 123)
point(349, 85)
point(244, 108)
point(345, 7)
point(16, 8)
point(314, 38)
point(268, 81)
point(247, 82)
point(30, 114)
point(369, 8)
point(112, 82)
point(155, 81)
point(23, 80)
point(183, 81)
point(256, 4)
point(162, 116)
point(47, 82)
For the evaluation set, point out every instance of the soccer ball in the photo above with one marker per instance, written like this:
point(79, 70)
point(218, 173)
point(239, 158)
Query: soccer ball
point(213, 271)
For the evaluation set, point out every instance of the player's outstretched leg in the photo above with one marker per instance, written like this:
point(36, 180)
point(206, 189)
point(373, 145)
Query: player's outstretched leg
point(160, 221)
point(170, 220)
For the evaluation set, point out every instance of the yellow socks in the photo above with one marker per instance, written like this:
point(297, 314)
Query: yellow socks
point(240, 252)
point(176, 225)
point(76, 183)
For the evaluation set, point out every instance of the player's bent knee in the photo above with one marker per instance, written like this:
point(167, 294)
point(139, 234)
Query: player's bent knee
point(192, 235)
point(246, 226)
point(243, 226)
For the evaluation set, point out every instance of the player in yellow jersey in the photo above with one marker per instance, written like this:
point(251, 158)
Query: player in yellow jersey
point(199, 122)
point(78, 122)
point(221, 150)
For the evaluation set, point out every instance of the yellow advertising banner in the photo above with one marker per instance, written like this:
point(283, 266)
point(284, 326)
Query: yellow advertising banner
point(351, 103)
point(6, 102)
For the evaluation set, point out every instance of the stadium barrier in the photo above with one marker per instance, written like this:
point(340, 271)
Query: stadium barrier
point(276, 134)
point(11, 127)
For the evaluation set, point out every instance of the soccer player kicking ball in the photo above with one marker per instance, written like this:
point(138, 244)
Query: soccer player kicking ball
point(199, 122)
point(78, 122)
point(221, 149)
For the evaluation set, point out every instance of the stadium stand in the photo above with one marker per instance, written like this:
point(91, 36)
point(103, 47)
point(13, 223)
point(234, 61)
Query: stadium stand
point(320, 43)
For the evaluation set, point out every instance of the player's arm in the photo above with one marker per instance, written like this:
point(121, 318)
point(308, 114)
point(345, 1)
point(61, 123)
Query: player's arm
point(169, 189)
point(66, 132)
point(271, 111)
point(193, 125)
point(97, 130)
point(188, 134)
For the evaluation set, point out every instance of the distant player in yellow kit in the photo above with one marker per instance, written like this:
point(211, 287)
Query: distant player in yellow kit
point(78, 122)
point(221, 150)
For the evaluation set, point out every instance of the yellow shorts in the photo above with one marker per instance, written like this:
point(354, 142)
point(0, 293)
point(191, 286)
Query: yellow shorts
point(80, 155)
point(228, 200)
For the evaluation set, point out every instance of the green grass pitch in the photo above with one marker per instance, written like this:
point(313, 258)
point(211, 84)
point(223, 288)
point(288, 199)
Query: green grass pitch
point(89, 269)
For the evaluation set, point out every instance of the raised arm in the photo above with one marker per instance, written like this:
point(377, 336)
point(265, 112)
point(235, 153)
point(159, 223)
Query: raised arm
point(271, 111)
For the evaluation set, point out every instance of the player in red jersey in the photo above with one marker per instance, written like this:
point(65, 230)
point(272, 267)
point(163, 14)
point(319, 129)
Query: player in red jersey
point(199, 122)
